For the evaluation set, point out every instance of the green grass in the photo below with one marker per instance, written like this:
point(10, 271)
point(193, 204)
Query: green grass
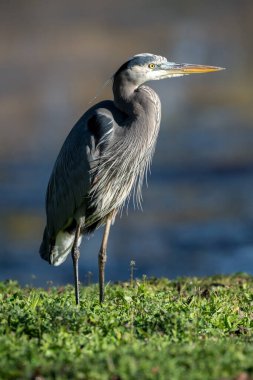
point(186, 329)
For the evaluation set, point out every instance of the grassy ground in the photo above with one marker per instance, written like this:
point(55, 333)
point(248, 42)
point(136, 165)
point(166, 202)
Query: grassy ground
point(152, 329)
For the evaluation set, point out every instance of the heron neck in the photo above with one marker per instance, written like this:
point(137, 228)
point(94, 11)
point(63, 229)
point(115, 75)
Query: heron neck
point(124, 95)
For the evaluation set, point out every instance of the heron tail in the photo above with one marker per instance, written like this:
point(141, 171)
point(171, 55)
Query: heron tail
point(56, 251)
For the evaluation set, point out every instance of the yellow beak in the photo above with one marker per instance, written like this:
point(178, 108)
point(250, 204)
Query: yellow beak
point(197, 69)
point(186, 69)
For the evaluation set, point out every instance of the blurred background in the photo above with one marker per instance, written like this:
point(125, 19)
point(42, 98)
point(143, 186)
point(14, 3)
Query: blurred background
point(198, 208)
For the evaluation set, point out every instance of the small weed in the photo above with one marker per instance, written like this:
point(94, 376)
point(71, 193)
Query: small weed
point(132, 269)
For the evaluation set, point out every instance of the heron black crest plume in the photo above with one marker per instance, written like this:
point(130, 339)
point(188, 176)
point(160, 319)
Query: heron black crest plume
point(104, 160)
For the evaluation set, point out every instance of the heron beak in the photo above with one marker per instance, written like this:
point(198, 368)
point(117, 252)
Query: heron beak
point(177, 69)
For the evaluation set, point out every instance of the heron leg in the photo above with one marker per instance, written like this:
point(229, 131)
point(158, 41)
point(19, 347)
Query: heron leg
point(102, 259)
point(75, 257)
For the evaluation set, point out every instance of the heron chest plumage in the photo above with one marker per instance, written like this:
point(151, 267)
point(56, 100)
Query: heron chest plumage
point(126, 159)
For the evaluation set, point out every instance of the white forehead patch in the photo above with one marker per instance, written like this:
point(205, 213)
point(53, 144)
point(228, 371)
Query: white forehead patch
point(143, 54)
point(157, 58)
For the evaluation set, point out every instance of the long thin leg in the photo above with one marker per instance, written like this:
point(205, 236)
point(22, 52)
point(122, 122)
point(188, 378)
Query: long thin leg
point(102, 259)
point(75, 257)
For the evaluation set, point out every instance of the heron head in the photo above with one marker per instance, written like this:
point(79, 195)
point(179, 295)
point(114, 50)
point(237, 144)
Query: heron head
point(145, 67)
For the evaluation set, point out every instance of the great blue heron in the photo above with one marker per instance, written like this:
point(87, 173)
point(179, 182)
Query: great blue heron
point(105, 156)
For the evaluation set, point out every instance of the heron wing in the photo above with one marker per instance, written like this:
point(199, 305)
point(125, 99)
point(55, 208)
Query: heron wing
point(72, 174)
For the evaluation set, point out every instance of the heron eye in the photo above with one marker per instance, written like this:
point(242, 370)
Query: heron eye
point(151, 65)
